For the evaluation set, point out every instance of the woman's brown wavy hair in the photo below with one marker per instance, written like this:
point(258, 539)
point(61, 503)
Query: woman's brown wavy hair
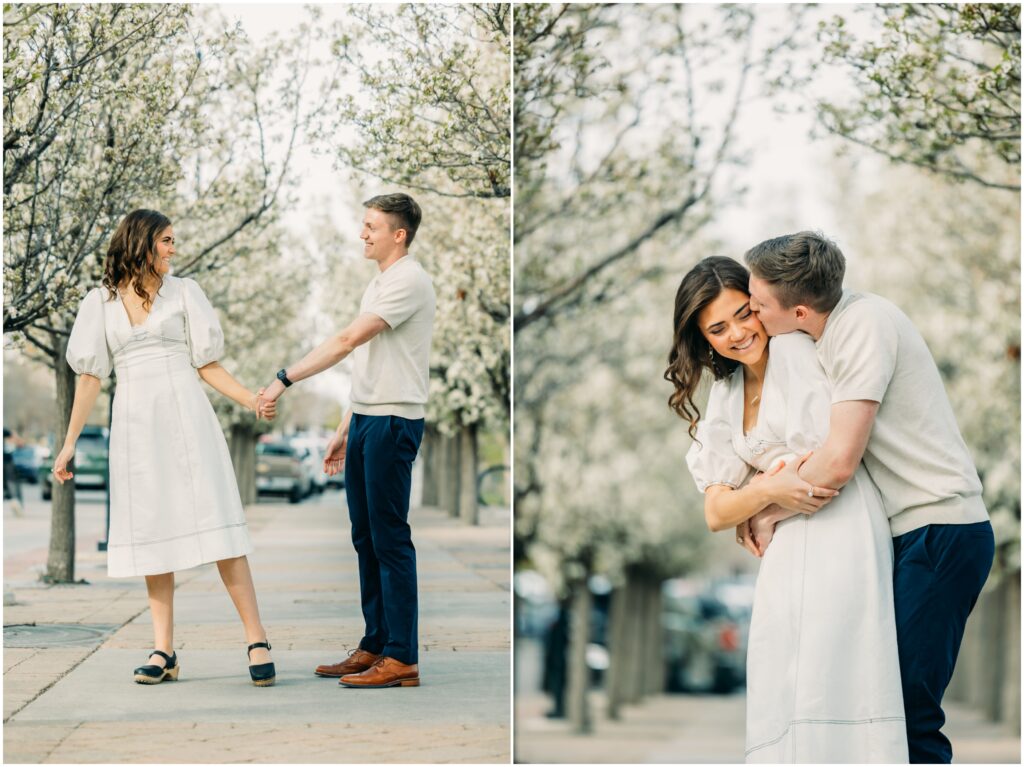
point(132, 253)
point(691, 353)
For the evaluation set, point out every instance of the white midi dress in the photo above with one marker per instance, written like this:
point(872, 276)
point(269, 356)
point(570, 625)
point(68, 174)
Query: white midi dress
point(823, 676)
point(174, 502)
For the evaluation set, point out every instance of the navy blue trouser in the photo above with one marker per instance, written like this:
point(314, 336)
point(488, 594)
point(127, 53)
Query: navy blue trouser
point(378, 479)
point(938, 574)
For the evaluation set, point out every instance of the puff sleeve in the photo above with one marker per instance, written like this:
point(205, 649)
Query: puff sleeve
point(87, 352)
point(203, 331)
point(807, 391)
point(711, 458)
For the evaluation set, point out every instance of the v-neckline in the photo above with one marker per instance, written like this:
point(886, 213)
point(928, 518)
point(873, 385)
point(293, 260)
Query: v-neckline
point(128, 316)
point(743, 400)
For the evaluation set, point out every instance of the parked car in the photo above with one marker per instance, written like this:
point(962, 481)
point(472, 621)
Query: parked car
point(280, 470)
point(27, 462)
point(311, 450)
point(90, 461)
point(705, 640)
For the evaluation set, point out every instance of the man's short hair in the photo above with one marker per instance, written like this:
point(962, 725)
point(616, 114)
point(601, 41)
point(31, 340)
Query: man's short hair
point(403, 208)
point(804, 269)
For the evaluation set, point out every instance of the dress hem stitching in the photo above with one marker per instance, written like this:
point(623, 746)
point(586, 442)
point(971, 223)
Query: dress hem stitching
point(872, 720)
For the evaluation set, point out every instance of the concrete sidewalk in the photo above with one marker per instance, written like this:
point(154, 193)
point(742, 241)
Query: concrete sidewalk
point(690, 729)
point(69, 696)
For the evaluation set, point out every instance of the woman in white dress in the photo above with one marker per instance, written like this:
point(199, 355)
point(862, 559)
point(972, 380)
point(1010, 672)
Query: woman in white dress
point(174, 502)
point(823, 680)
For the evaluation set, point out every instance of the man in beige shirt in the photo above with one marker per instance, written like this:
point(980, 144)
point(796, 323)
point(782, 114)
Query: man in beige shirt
point(378, 439)
point(889, 410)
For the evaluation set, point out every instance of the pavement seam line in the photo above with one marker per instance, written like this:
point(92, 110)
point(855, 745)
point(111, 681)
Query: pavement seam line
point(27, 657)
point(61, 741)
point(84, 658)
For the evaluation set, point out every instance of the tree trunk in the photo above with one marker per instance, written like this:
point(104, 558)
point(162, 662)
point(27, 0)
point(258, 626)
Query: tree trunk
point(429, 455)
point(633, 691)
point(243, 458)
point(618, 651)
point(469, 510)
point(60, 564)
point(448, 475)
point(995, 652)
point(655, 654)
point(1011, 684)
point(577, 703)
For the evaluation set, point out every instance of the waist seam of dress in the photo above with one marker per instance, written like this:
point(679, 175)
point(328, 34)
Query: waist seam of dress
point(178, 537)
point(872, 720)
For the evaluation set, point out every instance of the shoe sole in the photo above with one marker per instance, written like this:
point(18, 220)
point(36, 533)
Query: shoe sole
point(397, 683)
point(264, 682)
point(171, 675)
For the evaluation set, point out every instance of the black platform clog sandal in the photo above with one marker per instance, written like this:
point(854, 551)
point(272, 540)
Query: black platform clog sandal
point(263, 675)
point(153, 674)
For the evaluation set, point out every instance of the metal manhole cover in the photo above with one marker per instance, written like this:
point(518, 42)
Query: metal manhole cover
point(55, 635)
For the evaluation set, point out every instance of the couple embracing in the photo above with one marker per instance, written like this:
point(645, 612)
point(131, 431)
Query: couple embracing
point(174, 501)
point(830, 446)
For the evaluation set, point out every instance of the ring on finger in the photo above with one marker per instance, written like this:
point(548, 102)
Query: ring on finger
point(810, 493)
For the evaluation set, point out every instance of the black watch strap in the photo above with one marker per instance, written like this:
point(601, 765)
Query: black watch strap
point(282, 376)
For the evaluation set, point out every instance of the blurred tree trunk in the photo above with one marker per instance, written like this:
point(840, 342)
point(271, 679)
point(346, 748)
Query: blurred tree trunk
point(60, 563)
point(429, 454)
point(447, 476)
point(988, 667)
point(992, 628)
point(243, 458)
point(636, 664)
point(654, 651)
point(618, 650)
point(469, 460)
point(1011, 678)
point(577, 704)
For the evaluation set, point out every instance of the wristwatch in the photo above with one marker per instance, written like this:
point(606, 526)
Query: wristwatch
point(283, 377)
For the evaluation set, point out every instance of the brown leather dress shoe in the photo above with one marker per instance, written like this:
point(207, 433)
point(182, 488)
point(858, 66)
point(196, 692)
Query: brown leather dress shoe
point(386, 672)
point(357, 660)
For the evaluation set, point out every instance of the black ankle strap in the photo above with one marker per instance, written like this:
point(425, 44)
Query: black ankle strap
point(254, 645)
point(163, 655)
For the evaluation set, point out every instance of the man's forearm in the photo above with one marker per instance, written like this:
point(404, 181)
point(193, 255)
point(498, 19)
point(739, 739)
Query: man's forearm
point(825, 469)
point(345, 420)
point(326, 355)
point(834, 464)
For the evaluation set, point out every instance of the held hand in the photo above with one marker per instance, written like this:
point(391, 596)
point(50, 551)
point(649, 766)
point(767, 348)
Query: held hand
point(273, 390)
point(263, 408)
point(334, 457)
point(60, 465)
point(762, 528)
point(746, 539)
point(791, 492)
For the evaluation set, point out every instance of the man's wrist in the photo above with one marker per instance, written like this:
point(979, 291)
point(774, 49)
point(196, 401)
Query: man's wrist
point(282, 376)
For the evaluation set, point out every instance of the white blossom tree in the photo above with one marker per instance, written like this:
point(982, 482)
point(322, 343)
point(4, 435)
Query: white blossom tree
point(110, 108)
point(432, 118)
point(624, 131)
point(939, 87)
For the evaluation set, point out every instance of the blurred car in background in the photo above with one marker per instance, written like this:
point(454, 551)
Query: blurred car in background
point(283, 469)
point(27, 462)
point(311, 451)
point(91, 452)
point(705, 636)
